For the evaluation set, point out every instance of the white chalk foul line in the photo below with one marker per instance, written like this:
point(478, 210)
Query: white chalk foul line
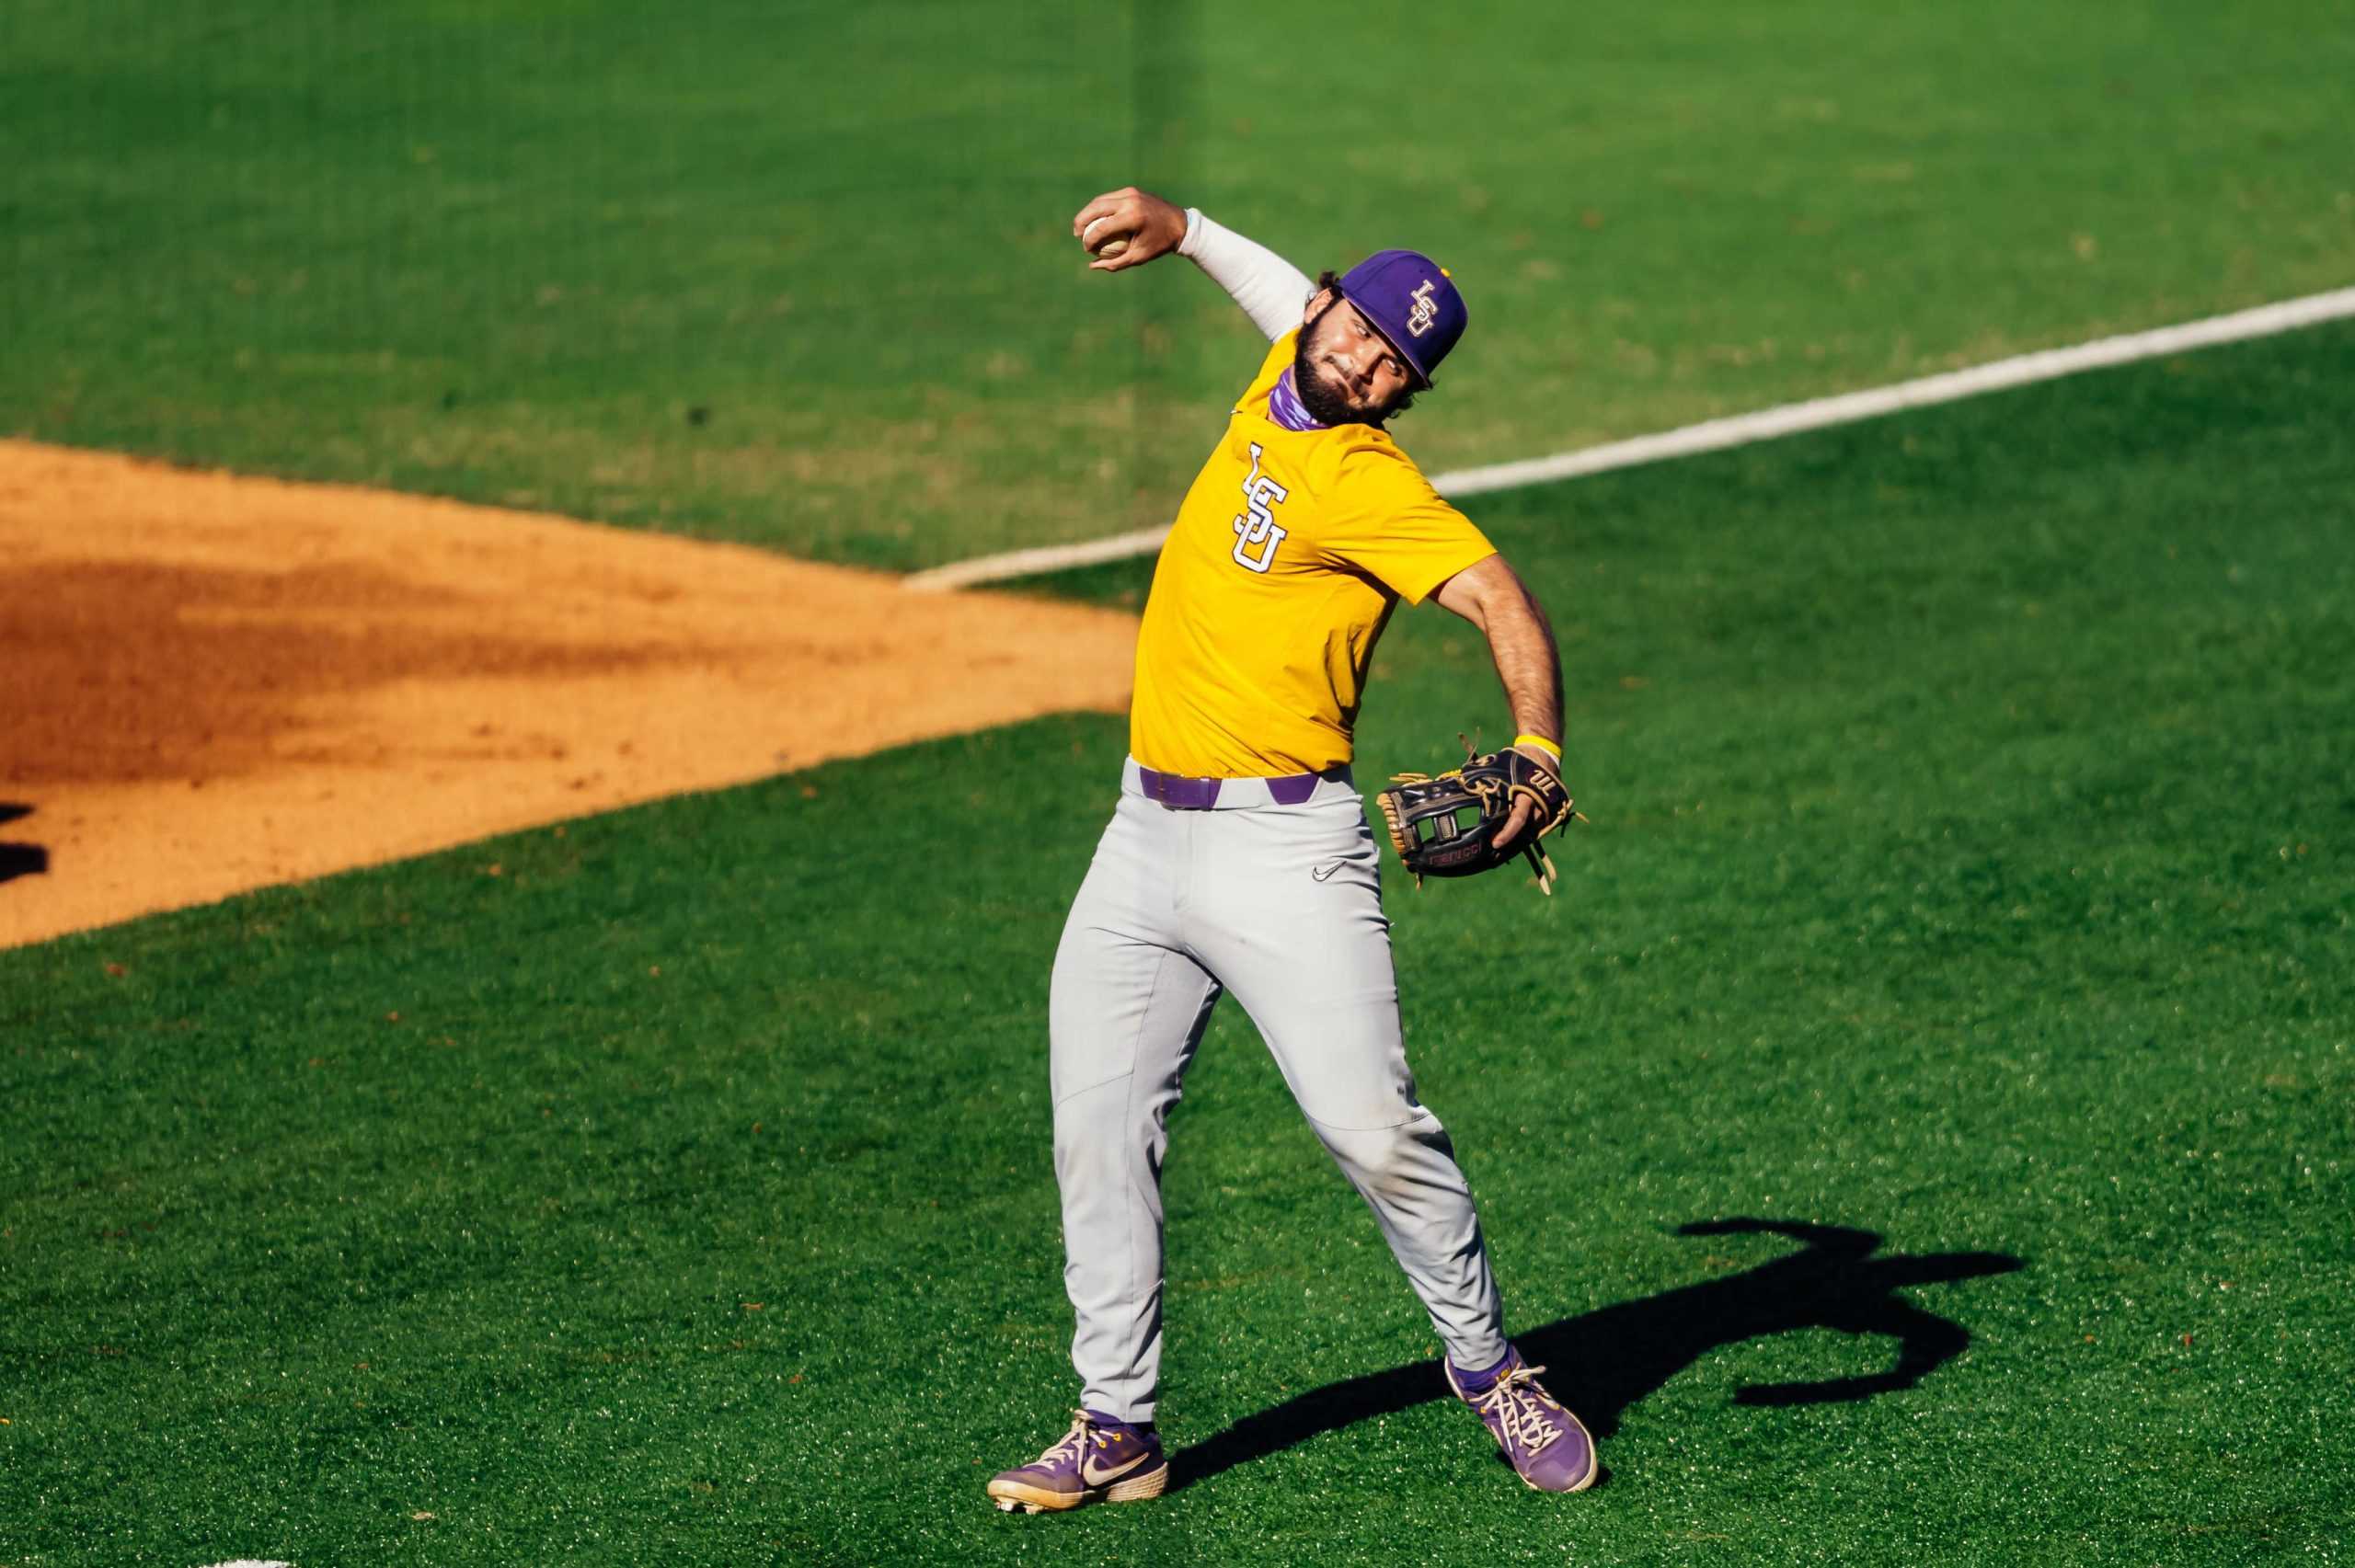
point(1038, 558)
point(1741, 429)
point(1998, 375)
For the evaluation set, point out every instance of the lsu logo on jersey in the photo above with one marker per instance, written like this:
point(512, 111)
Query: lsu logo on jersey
point(1256, 528)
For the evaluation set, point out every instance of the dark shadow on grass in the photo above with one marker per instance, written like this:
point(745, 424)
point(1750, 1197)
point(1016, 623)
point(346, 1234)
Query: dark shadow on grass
point(20, 860)
point(1602, 1362)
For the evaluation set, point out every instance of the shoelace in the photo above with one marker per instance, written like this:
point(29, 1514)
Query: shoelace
point(1067, 1447)
point(1521, 1411)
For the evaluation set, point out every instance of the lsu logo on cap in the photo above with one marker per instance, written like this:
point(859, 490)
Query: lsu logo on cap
point(1423, 311)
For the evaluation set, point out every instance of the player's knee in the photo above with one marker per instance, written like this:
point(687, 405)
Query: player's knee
point(1388, 1160)
point(1372, 1102)
point(1096, 1115)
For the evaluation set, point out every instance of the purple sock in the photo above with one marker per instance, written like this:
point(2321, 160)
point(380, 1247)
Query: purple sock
point(1481, 1382)
point(1134, 1428)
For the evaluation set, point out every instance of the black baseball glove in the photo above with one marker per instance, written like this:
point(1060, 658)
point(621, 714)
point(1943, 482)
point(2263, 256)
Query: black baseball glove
point(1447, 826)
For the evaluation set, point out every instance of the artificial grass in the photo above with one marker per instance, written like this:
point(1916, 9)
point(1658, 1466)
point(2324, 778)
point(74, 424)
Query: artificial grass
point(799, 275)
point(1968, 881)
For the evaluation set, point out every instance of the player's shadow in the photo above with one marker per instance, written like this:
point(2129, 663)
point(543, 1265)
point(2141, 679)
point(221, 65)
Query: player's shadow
point(1600, 1363)
point(20, 860)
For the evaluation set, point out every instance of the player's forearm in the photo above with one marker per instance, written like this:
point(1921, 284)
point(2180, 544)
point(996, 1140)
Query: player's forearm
point(1490, 595)
point(1521, 639)
point(1271, 289)
point(1531, 668)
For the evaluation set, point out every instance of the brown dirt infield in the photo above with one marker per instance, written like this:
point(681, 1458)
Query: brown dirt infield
point(215, 683)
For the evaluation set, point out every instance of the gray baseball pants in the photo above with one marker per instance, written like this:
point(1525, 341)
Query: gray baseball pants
point(1282, 906)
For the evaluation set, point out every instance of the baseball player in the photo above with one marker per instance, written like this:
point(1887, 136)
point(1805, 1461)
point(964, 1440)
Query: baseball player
point(1239, 859)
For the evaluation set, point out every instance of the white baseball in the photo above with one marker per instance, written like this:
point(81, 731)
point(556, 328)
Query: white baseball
point(1112, 246)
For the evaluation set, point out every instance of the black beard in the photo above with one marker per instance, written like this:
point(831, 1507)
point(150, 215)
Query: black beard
point(1317, 397)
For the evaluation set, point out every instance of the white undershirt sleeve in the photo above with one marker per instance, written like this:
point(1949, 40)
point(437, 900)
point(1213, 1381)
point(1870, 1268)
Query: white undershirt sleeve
point(1271, 289)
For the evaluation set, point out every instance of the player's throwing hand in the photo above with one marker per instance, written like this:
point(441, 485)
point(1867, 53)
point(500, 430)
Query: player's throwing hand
point(1148, 226)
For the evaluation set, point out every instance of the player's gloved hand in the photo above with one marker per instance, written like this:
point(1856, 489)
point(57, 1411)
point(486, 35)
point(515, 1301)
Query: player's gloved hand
point(1154, 227)
point(1493, 809)
point(1525, 803)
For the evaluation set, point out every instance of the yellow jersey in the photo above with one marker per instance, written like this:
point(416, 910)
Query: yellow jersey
point(1288, 555)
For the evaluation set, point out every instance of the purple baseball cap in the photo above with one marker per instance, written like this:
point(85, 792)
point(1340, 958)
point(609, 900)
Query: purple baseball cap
point(1411, 301)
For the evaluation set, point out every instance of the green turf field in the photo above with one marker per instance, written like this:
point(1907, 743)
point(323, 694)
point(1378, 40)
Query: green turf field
point(1969, 879)
point(1923, 1130)
point(798, 274)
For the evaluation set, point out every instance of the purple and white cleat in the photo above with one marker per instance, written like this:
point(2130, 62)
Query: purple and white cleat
point(1099, 1460)
point(1550, 1449)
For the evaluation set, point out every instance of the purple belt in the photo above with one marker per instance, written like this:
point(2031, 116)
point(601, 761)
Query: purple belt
point(1181, 794)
